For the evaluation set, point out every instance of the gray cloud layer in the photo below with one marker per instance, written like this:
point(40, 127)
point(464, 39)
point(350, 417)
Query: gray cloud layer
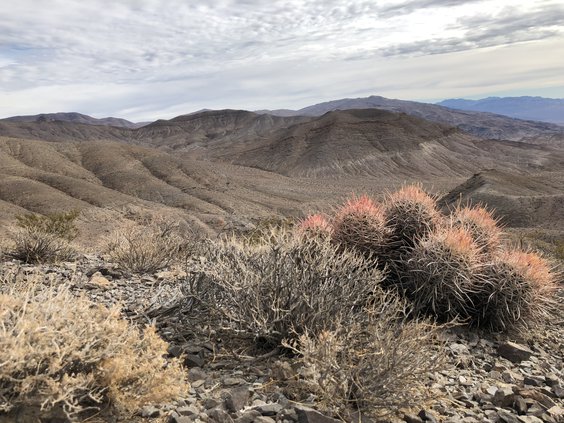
point(152, 58)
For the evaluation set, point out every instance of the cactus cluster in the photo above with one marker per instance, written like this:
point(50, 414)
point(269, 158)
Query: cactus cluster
point(447, 265)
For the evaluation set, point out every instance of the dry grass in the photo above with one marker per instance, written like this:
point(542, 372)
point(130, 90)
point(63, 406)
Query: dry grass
point(62, 352)
point(145, 248)
point(284, 288)
point(359, 224)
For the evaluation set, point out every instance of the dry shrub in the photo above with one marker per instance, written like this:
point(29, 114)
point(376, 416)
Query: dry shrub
point(62, 225)
point(517, 291)
point(36, 246)
point(410, 214)
point(147, 248)
point(359, 224)
point(62, 352)
point(441, 272)
point(375, 366)
point(44, 239)
point(479, 222)
point(315, 225)
point(282, 289)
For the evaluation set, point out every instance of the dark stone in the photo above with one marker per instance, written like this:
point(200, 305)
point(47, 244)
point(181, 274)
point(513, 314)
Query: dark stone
point(269, 409)
point(236, 398)
point(520, 405)
point(248, 417)
point(514, 352)
point(192, 360)
point(219, 416)
point(558, 391)
point(551, 379)
point(175, 351)
point(195, 373)
point(410, 418)
point(534, 380)
point(188, 410)
point(309, 415)
point(507, 417)
point(426, 416)
point(504, 397)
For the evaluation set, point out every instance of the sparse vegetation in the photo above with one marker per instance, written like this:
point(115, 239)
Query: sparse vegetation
point(375, 367)
point(449, 267)
point(62, 352)
point(62, 225)
point(282, 289)
point(45, 239)
point(145, 248)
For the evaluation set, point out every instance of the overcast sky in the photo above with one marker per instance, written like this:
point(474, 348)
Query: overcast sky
point(148, 59)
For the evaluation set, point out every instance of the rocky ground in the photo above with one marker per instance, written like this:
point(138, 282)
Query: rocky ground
point(490, 378)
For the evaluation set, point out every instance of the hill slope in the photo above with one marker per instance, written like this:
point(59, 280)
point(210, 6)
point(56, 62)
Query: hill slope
point(480, 124)
point(523, 201)
point(376, 143)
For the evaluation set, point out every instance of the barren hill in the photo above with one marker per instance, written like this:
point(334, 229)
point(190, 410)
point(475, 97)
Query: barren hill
point(480, 124)
point(532, 200)
point(109, 181)
point(376, 143)
point(225, 168)
point(74, 118)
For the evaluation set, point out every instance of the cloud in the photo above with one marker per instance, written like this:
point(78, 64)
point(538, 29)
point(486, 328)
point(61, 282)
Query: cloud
point(134, 58)
point(511, 25)
point(406, 7)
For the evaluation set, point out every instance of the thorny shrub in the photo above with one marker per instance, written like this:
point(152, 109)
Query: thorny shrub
point(59, 351)
point(145, 248)
point(282, 289)
point(375, 366)
point(517, 291)
point(480, 223)
point(410, 213)
point(359, 224)
point(441, 274)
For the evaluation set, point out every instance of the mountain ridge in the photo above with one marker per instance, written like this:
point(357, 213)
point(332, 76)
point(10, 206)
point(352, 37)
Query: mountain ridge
point(524, 107)
point(75, 117)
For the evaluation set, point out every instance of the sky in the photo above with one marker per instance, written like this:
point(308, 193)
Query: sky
point(148, 59)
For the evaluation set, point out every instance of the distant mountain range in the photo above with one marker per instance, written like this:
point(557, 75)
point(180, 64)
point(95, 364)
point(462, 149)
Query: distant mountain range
point(221, 168)
point(480, 124)
point(76, 118)
point(531, 108)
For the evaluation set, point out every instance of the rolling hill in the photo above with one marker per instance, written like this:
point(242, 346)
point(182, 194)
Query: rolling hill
point(227, 168)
